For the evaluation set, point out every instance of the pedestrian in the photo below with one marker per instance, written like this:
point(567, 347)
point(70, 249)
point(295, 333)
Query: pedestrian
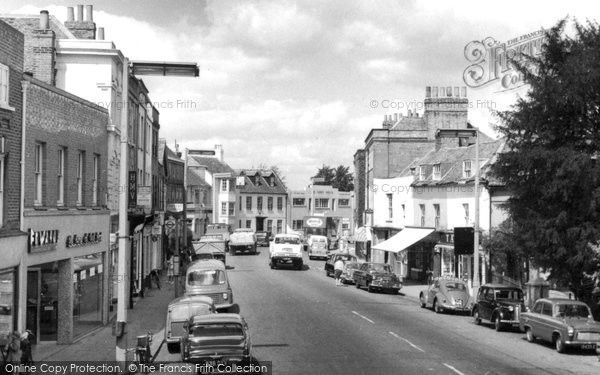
point(338, 267)
point(154, 277)
point(170, 267)
point(11, 351)
point(26, 354)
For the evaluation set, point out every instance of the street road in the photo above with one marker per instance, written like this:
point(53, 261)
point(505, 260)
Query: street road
point(305, 324)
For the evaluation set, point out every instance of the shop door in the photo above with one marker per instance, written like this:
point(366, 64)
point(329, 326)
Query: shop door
point(32, 322)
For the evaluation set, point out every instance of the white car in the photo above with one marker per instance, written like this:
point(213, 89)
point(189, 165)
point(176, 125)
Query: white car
point(286, 250)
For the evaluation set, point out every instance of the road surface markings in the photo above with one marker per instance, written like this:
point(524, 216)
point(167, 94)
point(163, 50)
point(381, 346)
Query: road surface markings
point(405, 340)
point(454, 369)
point(364, 317)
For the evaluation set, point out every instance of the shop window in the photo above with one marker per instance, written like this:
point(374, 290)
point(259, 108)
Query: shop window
point(7, 310)
point(88, 292)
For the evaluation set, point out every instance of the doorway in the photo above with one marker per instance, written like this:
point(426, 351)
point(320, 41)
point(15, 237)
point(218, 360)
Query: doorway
point(260, 223)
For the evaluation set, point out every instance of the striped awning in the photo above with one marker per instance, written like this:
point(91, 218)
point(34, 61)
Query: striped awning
point(363, 234)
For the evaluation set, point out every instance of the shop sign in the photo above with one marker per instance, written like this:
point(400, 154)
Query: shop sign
point(156, 230)
point(42, 240)
point(132, 189)
point(314, 222)
point(85, 239)
point(144, 196)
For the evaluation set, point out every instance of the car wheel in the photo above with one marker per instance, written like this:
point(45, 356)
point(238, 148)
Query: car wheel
point(529, 335)
point(436, 307)
point(498, 324)
point(272, 265)
point(476, 317)
point(422, 299)
point(357, 284)
point(559, 344)
point(369, 289)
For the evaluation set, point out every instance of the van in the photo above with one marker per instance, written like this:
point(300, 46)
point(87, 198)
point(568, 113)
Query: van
point(179, 311)
point(317, 247)
point(209, 278)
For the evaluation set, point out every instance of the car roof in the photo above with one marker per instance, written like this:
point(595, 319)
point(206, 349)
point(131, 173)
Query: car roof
point(206, 264)
point(189, 299)
point(503, 286)
point(562, 300)
point(216, 318)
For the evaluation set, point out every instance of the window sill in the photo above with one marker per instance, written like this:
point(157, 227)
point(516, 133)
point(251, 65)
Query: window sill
point(62, 208)
point(40, 208)
point(6, 107)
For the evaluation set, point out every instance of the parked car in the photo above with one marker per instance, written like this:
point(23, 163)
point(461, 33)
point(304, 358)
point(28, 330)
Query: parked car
point(348, 271)
point(563, 322)
point(263, 238)
point(179, 311)
point(317, 247)
point(209, 278)
point(376, 277)
point(333, 257)
point(446, 294)
point(214, 340)
point(499, 304)
point(242, 240)
point(286, 250)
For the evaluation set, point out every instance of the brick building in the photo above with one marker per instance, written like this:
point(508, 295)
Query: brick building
point(174, 198)
point(13, 241)
point(65, 288)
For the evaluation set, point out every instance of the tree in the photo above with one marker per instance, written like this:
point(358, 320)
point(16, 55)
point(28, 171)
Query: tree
point(505, 252)
point(550, 160)
point(339, 178)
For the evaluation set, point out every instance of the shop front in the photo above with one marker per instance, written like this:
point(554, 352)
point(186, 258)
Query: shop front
point(66, 287)
point(13, 245)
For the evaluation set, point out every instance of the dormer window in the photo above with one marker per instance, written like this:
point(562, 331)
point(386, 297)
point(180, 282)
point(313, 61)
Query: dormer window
point(437, 172)
point(272, 181)
point(467, 169)
point(422, 173)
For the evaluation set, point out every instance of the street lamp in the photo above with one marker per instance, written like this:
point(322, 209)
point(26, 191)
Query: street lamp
point(179, 69)
point(368, 224)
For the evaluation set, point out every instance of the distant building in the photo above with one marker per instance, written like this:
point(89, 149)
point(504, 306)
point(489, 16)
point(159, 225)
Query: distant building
point(336, 207)
point(174, 198)
point(262, 201)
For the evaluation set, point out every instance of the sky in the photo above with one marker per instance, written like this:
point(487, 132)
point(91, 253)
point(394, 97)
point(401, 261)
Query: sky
point(299, 84)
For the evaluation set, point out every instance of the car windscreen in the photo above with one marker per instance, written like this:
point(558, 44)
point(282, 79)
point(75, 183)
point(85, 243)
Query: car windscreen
point(381, 267)
point(456, 286)
point(217, 330)
point(569, 310)
point(290, 240)
point(511, 294)
point(206, 277)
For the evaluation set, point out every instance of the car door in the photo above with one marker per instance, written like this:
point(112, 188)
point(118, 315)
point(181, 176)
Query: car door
point(361, 279)
point(545, 326)
point(435, 287)
point(487, 300)
point(534, 318)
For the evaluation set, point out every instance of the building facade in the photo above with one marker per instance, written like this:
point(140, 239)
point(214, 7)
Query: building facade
point(64, 292)
point(176, 237)
point(261, 199)
point(337, 207)
point(13, 241)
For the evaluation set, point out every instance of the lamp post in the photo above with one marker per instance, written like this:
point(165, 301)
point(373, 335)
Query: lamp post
point(368, 225)
point(139, 68)
point(476, 222)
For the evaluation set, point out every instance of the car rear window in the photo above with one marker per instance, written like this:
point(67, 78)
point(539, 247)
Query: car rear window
point(208, 277)
point(456, 286)
point(513, 294)
point(216, 330)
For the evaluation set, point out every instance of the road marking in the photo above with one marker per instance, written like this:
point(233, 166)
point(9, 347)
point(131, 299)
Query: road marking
point(405, 340)
point(454, 369)
point(364, 317)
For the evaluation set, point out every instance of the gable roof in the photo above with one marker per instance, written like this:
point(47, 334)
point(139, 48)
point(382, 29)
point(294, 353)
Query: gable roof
point(212, 164)
point(258, 182)
point(195, 179)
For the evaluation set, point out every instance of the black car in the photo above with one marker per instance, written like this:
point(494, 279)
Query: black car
point(500, 305)
point(263, 238)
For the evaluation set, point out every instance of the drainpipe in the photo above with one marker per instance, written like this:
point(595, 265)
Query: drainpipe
point(22, 302)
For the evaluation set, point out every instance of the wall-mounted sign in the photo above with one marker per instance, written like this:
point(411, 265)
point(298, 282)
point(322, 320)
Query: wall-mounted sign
point(314, 222)
point(84, 239)
point(132, 189)
point(42, 240)
point(144, 196)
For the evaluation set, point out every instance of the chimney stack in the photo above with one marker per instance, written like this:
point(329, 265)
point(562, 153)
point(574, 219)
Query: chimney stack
point(395, 117)
point(410, 113)
point(44, 20)
point(219, 153)
point(70, 14)
point(100, 33)
point(428, 91)
point(81, 29)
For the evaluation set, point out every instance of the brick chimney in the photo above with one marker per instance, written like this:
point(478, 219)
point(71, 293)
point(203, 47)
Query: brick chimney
point(220, 153)
point(445, 108)
point(80, 27)
point(39, 51)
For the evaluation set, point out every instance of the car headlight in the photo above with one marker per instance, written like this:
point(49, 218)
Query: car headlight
point(225, 296)
point(570, 331)
point(511, 308)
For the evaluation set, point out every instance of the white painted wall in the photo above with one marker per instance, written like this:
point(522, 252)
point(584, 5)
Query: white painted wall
point(401, 192)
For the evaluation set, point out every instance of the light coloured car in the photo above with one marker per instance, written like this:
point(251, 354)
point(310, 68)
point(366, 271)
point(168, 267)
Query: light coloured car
point(286, 250)
point(209, 278)
point(348, 272)
point(179, 311)
point(447, 294)
point(563, 322)
point(317, 247)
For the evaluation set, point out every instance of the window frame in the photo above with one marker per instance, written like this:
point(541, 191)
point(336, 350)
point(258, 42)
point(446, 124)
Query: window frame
point(279, 203)
point(62, 153)
point(422, 173)
point(2, 168)
point(319, 203)
point(270, 203)
point(96, 177)
point(5, 87)
point(437, 172)
point(80, 176)
point(390, 198)
point(249, 203)
point(299, 205)
point(340, 200)
point(422, 208)
point(259, 203)
point(467, 169)
point(38, 170)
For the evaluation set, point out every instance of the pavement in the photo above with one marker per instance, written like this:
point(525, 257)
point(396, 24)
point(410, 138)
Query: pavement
point(148, 314)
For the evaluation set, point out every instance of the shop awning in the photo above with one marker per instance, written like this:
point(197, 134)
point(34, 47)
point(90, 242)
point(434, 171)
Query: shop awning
point(403, 240)
point(363, 234)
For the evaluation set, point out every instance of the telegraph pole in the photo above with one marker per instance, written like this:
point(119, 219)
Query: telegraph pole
point(476, 222)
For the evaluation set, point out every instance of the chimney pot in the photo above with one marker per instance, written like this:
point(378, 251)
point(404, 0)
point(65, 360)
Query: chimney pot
point(410, 113)
point(44, 23)
point(70, 14)
point(395, 117)
point(79, 12)
point(428, 91)
point(101, 33)
point(457, 91)
point(449, 91)
point(463, 91)
point(89, 12)
point(435, 92)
